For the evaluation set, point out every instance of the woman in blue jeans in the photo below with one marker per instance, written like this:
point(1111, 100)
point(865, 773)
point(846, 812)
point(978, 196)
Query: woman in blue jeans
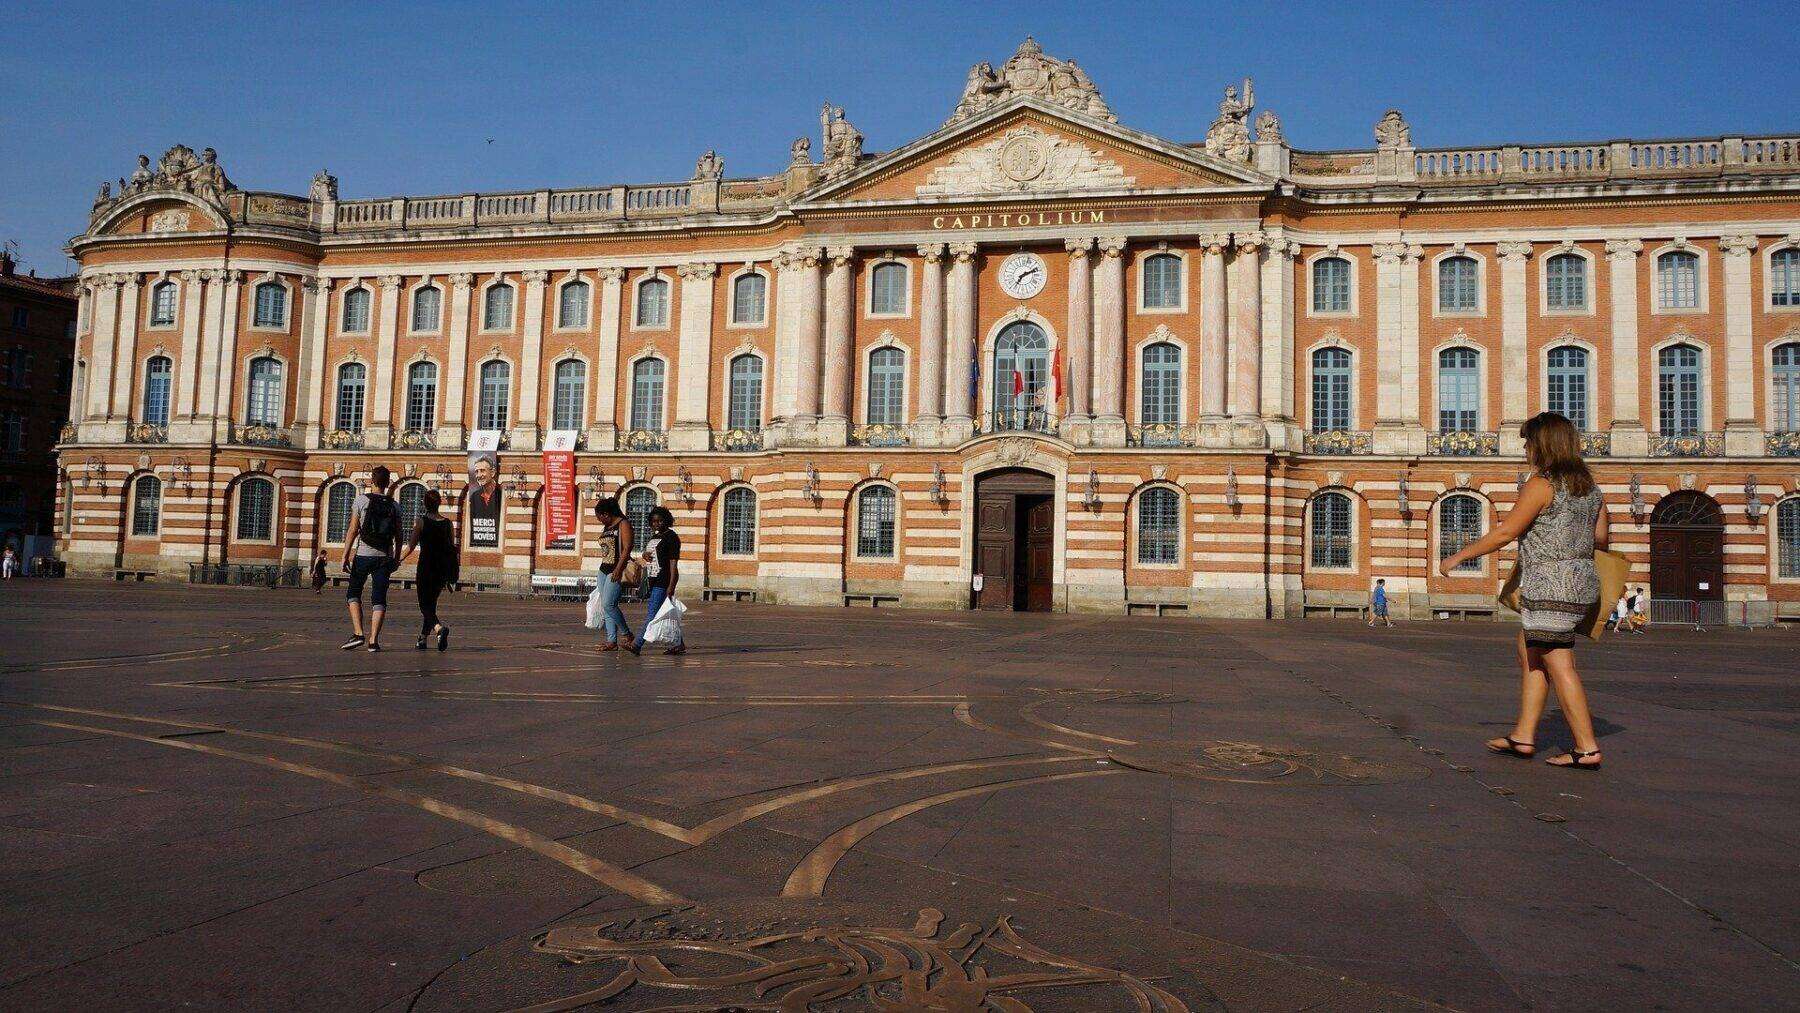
point(662, 562)
point(615, 551)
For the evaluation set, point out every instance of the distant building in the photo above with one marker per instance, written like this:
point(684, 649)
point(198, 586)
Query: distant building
point(37, 352)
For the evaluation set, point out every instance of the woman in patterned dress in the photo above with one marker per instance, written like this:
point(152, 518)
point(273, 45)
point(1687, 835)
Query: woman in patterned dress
point(1559, 520)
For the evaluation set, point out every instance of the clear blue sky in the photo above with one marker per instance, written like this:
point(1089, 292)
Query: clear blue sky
point(399, 98)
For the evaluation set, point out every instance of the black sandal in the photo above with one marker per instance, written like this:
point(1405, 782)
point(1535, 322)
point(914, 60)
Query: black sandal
point(1575, 756)
point(1514, 748)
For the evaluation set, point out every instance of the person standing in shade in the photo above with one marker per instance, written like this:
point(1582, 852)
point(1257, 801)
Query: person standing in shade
point(318, 572)
point(615, 555)
point(662, 569)
point(1378, 603)
point(369, 557)
point(1559, 520)
point(434, 536)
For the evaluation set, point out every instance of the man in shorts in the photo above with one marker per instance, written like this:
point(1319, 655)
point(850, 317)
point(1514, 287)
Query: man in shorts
point(369, 551)
point(1378, 604)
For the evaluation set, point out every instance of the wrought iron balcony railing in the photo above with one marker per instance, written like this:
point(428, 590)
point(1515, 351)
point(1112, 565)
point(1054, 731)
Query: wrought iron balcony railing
point(1596, 444)
point(738, 441)
point(143, 432)
point(343, 439)
point(880, 434)
point(1017, 420)
point(1462, 443)
point(258, 435)
point(1783, 444)
point(1162, 434)
point(1342, 442)
point(645, 440)
point(414, 439)
point(1688, 445)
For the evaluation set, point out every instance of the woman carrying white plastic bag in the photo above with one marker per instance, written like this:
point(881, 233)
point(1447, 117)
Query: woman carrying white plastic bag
point(662, 571)
point(666, 627)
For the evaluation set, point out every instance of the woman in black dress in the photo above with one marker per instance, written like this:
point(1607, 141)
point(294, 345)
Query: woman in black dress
point(435, 538)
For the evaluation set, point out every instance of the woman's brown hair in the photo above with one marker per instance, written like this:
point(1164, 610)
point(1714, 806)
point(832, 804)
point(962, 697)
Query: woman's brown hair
point(1553, 446)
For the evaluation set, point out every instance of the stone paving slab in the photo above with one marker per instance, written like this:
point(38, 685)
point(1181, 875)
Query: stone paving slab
point(203, 803)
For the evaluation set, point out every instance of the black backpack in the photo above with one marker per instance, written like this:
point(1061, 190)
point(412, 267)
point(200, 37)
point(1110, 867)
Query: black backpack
point(380, 523)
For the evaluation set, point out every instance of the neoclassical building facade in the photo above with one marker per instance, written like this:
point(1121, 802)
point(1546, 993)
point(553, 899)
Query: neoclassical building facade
point(1036, 359)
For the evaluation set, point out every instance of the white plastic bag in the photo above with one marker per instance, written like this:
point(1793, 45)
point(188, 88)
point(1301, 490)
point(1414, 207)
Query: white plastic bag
point(596, 617)
point(666, 627)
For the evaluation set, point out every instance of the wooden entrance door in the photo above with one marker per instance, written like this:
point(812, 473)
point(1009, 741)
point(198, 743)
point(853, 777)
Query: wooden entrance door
point(1687, 548)
point(1015, 540)
point(1036, 565)
point(994, 551)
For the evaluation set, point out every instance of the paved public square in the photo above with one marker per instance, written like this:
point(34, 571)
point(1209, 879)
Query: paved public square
point(204, 803)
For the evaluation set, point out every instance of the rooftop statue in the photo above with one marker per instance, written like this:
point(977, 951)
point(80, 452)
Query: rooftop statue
point(843, 142)
point(1392, 131)
point(1030, 72)
point(1229, 135)
point(710, 166)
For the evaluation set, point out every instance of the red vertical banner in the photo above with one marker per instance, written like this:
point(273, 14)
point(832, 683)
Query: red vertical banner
point(559, 499)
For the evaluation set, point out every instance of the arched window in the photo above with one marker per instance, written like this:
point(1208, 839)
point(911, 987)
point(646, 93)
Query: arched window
point(146, 505)
point(744, 408)
point(352, 392)
point(265, 392)
point(256, 510)
point(1330, 531)
point(737, 535)
point(162, 304)
point(569, 396)
point(271, 305)
point(1459, 523)
point(157, 375)
point(647, 395)
point(1678, 390)
point(1678, 280)
point(421, 396)
point(1162, 281)
point(1331, 285)
point(1784, 277)
point(653, 303)
point(875, 522)
point(1021, 374)
point(412, 503)
point(1458, 285)
point(747, 293)
point(887, 289)
point(1785, 411)
point(637, 512)
point(338, 501)
point(1159, 394)
point(1787, 536)
point(427, 305)
point(356, 311)
point(496, 308)
point(572, 305)
point(1331, 390)
point(1565, 282)
point(492, 408)
point(887, 387)
point(1459, 390)
point(1566, 392)
point(1159, 525)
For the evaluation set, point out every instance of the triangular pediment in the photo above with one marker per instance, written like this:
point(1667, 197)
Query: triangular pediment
point(1028, 147)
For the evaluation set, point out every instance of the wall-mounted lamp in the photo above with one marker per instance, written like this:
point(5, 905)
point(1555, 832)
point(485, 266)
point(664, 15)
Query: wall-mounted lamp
point(682, 481)
point(1638, 507)
point(1405, 504)
point(184, 474)
point(96, 473)
point(516, 481)
point(1092, 499)
point(1231, 490)
point(938, 492)
point(1753, 503)
point(811, 489)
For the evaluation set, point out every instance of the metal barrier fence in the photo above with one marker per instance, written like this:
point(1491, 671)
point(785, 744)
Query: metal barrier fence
point(244, 574)
point(1705, 614)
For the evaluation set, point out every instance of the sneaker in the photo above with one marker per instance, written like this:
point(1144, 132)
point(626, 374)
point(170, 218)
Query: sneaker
point(443, 638)
point(374, 648)
point(420, 646)
point(352, 644)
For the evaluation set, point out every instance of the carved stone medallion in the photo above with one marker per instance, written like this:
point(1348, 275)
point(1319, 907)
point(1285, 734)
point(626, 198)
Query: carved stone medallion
point(1025, 159)
point(170, 221)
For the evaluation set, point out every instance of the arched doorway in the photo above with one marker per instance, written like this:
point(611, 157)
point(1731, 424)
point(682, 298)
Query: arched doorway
point(1687, 548)
point(1015, 540)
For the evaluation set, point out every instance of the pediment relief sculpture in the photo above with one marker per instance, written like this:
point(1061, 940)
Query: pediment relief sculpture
point(1030, 72)
point(1022, 161)
point(178, 171)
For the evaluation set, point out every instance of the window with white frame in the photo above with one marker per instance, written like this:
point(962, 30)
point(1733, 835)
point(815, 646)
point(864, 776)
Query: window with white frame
point(1459, 285)
point(1566, 384)
point(747, 297)
point(1162, 281)
point(497, 307)
point(158, 374)
point(887, 289)
point(572, 305)
point(1678, 280)
point(162, 304)
point(256, 510)
point(1678, 390)
point(1160, 385)
point(412, 505)
point(647, 395)
point(1459, 390)
point(875, 522)
point(1331, 390)
point(1459, 523)
point(265, 392)
point(1329, 532)
point(744, 405)
point(421, 396)
point(271, 305)
point(1784, 411)
point(638, 503)
point(146, 505)
point(653, 303)
point(1159, 526)
point(355, 317)
point(1565, 282)
point(569, 395)
point(1784, 277)
point(1331, 285)
point(887, 387)
point(339, 499)
point(352, 393)
point(737, 534)
point(427, 307)
point(494, 403)
point(1787, 537)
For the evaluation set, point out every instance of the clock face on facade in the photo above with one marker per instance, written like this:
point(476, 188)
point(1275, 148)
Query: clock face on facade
point(1022, 275)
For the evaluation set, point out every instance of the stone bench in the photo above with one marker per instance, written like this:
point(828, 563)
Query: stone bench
point(727, 594)
point(1464, 612)
point(1334, 610)
point(123, 574)
point(873, 599)
point(1155, 608)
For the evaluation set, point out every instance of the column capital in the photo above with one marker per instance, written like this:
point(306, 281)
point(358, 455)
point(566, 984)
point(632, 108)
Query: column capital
point(1737, 246)
point(108, 282)
point(388, 282)
point(1389, 253)
point(1214, 243)
point(840, 256)
point(1624, 249)
point(189, 277)
point(697, 271)
point(613, 275)
point(236, 277)
point(963, 252)
point(799, 258)
point(317, 285)
point(1079, 248)
point(535, 277)
point(932, 252)
point(462, 282)
point(1513, 251)
point(1249, 242)
point(1111, 246)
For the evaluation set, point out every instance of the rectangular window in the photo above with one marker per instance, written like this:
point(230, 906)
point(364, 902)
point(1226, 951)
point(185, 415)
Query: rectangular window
point(1331, 285)
point(875, 523)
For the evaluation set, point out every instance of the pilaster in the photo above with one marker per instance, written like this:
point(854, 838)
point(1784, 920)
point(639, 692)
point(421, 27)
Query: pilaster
point(1629, 437)
point(928, 419)
point(603, 434)
point(1215, 341)
point(124, 353)
point(1079, 335)
point(959, 344)
point(193, 299)
point(1246, 335)
point(1279, 365)
point(1109, 343)
point(315, 314)
point(381, 420)
point(1515, 362)
point(693, 376)
point(100, 356)
point(1395, 432)
point(834, 393)
point(531, 358)
point(456, 369)
point(1743, 434)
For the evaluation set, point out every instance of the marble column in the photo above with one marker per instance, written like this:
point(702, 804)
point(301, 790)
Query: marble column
point(315, 313)
point(1278, 361)
point(531, 358)
point(100, 351)
point(693, 368)
point(1079, 363)
point(124, 353)
point(834, 392)
point(381, 415)
point(1629, 437)
point(456, 362)
point(603, 434)
point(1246, 407)
point(1109, 343)
point(1743, 433)
point(930, 413)
point(1515, 360)
point(805, 326)
point(187, 375)
point(959, 344)
point(84, 308)
point(1214, 333)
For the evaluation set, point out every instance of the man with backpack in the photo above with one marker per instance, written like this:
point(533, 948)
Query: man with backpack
point(369, 551)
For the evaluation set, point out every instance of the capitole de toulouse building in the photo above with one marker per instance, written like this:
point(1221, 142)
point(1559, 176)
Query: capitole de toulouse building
point(1036, 359)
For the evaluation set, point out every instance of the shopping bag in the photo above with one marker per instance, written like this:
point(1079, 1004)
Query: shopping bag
point(666, 627)
point(1612, 568)
point(596, 613)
